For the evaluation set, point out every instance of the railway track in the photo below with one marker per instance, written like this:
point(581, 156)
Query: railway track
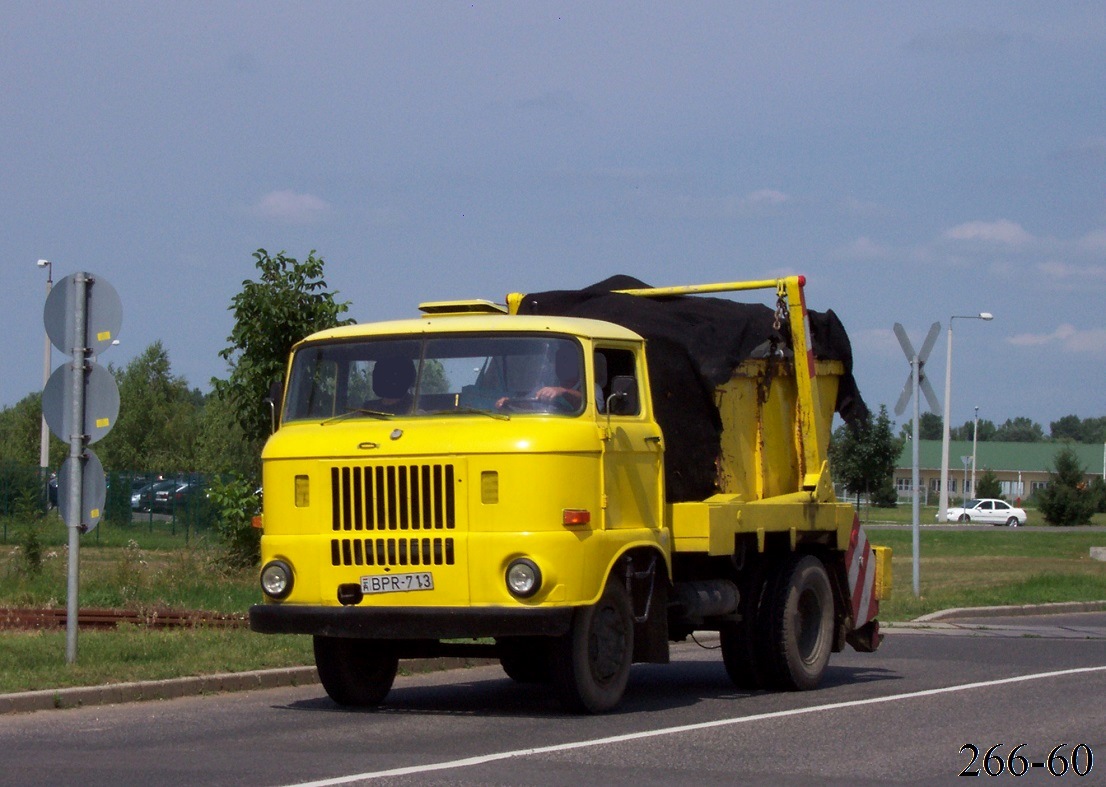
point(30, 619)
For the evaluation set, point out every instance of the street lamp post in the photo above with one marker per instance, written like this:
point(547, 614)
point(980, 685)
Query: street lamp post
point(44, 451)
point(943, 504)
point(975, 441)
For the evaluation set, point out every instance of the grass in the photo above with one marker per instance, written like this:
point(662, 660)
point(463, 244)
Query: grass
point(143, 567)
point(36, 660)
point(904, 515)
point(994, 567)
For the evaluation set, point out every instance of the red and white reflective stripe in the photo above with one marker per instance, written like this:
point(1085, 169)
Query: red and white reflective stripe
point(806, 329)
point(862, 576)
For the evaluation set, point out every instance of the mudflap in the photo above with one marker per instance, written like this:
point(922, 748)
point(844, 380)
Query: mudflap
point(865, 639)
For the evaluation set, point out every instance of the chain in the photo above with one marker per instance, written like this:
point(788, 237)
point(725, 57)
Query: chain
point(782, 314)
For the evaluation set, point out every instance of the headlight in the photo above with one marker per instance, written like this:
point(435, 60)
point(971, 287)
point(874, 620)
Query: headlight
point(523, 578)
point(276, 579)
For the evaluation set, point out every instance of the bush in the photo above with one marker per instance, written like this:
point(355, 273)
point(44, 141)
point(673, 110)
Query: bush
point(885, 496)
point(1098, 494)
point(988, 485)
point(117, 507)
point(1066, 501)
point(237, 504)
point(22, 490)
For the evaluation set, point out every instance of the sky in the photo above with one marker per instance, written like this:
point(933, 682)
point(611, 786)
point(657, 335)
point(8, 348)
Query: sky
point(914, 161)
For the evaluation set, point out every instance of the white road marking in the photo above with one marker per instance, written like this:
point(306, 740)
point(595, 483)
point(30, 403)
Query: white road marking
point(632, 736)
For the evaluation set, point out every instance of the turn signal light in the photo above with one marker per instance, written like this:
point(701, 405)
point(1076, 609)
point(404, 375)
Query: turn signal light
point(575, 517)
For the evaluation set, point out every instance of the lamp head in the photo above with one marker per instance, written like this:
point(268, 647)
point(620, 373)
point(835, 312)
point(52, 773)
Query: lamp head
point(43, 263)
point(986, 316)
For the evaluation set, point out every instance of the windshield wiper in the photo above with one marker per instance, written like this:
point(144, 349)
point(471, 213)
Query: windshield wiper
point(359, 411)
point(471, 411)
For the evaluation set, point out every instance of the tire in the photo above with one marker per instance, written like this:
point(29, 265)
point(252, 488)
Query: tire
point(1012, 522)
point(964, 519)
point(800, 625)
point(525, 659)
point(591, 663)
point(355, 672)
point(742, 641)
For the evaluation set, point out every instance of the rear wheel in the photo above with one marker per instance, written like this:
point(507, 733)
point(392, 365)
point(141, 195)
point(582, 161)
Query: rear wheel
point(800, 624)
point(591, 663)
point(1012, 522)
point(355, 672)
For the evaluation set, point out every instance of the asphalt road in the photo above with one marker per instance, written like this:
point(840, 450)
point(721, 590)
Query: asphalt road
point(904, 714)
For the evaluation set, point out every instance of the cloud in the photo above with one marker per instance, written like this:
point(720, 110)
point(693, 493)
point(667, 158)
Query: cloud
point(764, 198)
point(1067, 338)
point(1065, 271)
point(863, 248)
point(288, 207)
point(1003, 231)
point(1094, 242)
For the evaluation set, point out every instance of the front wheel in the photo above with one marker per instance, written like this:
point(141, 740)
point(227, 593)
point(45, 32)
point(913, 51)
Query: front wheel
point(964, 519)
point(591, 663)
point(355, 672)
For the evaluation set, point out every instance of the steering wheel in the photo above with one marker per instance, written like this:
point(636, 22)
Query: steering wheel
point(558, 404)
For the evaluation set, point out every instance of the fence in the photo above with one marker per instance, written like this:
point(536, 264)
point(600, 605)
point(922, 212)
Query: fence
point(176, 504)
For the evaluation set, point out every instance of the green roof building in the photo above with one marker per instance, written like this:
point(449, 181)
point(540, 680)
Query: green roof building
point(1021, 468)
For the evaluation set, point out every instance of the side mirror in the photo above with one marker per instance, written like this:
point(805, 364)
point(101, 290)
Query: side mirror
point(276, 395)
point(624, 398)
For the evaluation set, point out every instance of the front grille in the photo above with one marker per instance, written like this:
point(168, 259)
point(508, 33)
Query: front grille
point(393, 497)
point(392, 552)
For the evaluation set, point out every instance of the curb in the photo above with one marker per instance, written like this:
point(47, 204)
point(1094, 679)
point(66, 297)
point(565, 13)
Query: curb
point(1012, 611)
point(172, 688)
point(175, 688)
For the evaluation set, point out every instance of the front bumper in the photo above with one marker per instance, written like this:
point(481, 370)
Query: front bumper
point(407, 623)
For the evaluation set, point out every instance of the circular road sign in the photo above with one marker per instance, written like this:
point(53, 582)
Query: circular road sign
point(103, 307)
point(93, 489)
point(101, 402)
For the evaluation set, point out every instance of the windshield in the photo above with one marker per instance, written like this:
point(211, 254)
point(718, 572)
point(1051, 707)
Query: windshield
point(499, 374)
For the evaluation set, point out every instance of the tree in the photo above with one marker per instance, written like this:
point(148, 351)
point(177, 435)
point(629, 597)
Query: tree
point(1066, 501)
point(929, 427)
point(863, 458)
point(158, 422)
point(1070, 427)
point(986, 431)
point(1079, 430)
point(988, 485)
point(21, 435)
point(288, 302)
point(1020, 430)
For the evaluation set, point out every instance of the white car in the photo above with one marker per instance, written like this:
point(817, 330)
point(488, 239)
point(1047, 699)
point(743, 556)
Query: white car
point(987, 511)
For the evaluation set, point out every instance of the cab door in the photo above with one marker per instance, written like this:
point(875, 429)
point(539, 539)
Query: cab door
point(633, 449)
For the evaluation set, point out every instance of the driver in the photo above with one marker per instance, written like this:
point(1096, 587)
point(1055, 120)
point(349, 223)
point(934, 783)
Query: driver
point(568, 385)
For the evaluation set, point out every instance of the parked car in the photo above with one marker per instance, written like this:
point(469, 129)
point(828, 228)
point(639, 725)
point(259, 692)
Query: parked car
point(987, 511)
point(143, 499)
point(172, 498)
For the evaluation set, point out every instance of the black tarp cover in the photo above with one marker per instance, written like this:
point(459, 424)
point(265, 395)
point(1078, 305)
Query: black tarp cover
point(693, 344)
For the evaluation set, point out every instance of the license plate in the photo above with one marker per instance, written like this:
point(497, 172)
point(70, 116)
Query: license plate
point(397, 583)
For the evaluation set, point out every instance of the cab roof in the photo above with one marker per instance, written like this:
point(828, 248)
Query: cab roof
point(481, 323)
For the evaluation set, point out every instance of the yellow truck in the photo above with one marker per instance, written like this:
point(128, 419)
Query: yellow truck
point(568, 483)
